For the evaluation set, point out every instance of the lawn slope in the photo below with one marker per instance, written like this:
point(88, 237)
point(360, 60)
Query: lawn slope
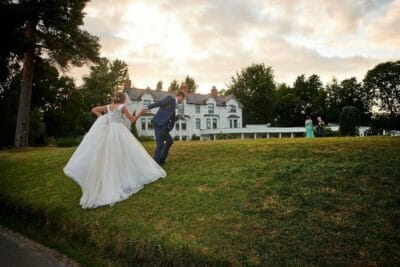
point(333, 201)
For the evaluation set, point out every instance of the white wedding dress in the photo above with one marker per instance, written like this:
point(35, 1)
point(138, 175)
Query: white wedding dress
point(110, 164)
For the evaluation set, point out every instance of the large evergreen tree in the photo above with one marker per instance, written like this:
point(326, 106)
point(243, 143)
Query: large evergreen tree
point(45, 28)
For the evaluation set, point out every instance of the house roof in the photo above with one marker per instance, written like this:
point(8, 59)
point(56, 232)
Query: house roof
point(136, 94)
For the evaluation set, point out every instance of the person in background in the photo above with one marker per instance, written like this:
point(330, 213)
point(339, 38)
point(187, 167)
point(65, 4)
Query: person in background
point(309, 127)
point(320, 127)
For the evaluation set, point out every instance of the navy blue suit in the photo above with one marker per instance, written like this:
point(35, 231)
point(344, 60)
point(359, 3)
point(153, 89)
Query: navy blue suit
point(163, 122)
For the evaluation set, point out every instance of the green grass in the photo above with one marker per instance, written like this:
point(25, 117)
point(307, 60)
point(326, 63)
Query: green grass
point(333, 201)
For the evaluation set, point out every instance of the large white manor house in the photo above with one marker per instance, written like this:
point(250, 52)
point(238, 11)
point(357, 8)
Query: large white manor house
point(205, 115)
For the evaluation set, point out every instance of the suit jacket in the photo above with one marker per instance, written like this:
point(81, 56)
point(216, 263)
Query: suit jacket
point(165, 116)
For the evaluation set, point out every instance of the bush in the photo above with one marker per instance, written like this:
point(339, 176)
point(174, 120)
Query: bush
point(195, 137)
point(349, 120)
point(329, 133)
point(68, 141)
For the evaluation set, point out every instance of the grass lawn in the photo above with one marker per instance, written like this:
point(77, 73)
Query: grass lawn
point(333, 201)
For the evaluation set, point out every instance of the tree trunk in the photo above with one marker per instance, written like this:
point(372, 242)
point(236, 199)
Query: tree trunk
point(22, 129)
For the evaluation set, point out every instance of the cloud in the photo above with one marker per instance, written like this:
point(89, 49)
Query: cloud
point(211, 40)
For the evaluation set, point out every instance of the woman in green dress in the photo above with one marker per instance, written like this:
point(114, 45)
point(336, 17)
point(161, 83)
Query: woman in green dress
point(309, 127)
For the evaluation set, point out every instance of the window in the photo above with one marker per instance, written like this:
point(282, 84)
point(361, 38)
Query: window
point(183, 125)
point(208, 123)
point(146, 102)
point(149, 124)
point(184, 137)
point(143, 123)
point(211, 108)
point(215, 126)
point(198, 123)
point(181, 108)
point(232, 108)
point(230, 123)
point(235, 123)
point(197, 108)
point(177, 126)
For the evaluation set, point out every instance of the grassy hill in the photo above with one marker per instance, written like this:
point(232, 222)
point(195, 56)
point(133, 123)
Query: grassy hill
point(333, 201)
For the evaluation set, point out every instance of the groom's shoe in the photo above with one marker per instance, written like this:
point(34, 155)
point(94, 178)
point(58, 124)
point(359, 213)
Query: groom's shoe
point(162, 162)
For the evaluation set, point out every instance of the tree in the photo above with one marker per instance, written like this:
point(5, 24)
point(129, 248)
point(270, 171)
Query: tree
point(349, 120)
point(49, 28)
point(255, 88)
point(57, 107)
point(10, 50)
point(103, 80)
point(159, 86)
point(174, 86)
point(288, 108)
point(191, 84)
point(348, 92)
point(309, 91)
point(382, 87)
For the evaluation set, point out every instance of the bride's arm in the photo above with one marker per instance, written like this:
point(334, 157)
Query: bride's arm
point(98, 110)
point(133, 119)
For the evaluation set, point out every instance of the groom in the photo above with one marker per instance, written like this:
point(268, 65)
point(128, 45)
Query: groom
point(164, 122)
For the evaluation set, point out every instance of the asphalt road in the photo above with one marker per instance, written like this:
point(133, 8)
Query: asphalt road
point(19, 251)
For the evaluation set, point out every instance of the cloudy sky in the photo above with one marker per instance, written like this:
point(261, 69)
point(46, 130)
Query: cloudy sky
point(212, 40)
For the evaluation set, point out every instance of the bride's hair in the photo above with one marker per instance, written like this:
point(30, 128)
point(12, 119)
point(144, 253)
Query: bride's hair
point(119, 98)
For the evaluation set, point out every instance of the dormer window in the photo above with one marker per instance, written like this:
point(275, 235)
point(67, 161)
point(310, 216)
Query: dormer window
point(232, 108)
point(146, 102)
point(211, 108)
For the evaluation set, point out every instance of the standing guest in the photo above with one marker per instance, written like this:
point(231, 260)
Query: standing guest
point(309, 127)
point(320, 127)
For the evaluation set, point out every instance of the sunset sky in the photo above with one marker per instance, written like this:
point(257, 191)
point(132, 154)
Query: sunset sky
point(212, 40)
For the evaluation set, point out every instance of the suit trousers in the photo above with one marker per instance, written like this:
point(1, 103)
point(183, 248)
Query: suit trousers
point(164, 141)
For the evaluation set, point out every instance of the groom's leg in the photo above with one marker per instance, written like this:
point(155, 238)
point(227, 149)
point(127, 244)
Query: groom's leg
point(168, 143)
point(158, 132)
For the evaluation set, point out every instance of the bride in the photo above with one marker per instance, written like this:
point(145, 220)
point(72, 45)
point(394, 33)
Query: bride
point(110, 164)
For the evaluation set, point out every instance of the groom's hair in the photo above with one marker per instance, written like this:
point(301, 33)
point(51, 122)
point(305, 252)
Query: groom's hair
point(181, 93)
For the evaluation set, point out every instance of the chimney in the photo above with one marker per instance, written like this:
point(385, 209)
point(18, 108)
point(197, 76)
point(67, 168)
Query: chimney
point(185, 88)
point(127, 84)
point(214, 91)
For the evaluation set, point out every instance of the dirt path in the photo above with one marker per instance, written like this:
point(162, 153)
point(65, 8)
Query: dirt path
point(19, 251)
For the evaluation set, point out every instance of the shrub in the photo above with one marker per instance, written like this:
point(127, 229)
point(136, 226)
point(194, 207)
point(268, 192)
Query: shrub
point(195, 137)
point(349, 120)
point(329, 133)
point(68, 141)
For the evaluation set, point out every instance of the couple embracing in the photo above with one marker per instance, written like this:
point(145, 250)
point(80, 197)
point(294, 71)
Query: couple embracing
point(110, 164)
